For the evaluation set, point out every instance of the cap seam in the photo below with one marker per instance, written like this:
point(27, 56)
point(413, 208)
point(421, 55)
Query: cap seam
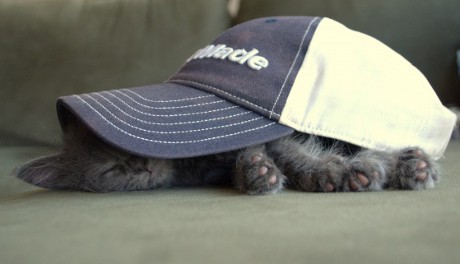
point(224, 92)
point(292, 66)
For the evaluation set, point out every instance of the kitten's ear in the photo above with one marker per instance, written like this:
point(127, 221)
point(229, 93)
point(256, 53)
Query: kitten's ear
point(45, 172)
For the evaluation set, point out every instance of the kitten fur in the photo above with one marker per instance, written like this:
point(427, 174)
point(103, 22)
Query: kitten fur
point(299, 161)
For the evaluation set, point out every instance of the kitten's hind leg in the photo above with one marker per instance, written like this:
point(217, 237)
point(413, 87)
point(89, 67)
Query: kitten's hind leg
point(256, 173)
point(413, 170)
point(308, 165)
point(409, 169)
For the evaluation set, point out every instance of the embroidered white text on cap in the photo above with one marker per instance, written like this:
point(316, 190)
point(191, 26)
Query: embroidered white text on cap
point(240, 56)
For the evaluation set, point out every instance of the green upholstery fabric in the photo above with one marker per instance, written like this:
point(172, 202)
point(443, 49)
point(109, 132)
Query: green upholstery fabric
point(51, 48)
point(223, 226)
point(424, 32)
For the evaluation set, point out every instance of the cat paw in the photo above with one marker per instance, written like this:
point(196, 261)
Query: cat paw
point(365, 174)
point(367, 171)
point(259, 175)
point(332, 169)
point(362, 181)
point(415, 171)
point(322, 175)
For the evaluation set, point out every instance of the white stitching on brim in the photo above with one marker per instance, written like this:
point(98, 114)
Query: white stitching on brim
point(168, 101)
point(172, 124)
point(172, 142)
point(172, 115)
point(174, 132)
point(167, 107)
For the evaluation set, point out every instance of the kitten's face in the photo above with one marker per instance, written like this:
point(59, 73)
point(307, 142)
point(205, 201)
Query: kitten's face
point(88, 164)
point(120, 172)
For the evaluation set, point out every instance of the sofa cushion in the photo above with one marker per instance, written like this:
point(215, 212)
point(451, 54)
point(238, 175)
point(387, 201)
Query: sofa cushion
point(58, 47)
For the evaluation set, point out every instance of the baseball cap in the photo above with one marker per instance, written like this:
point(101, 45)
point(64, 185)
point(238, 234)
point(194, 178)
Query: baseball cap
point(264, 79)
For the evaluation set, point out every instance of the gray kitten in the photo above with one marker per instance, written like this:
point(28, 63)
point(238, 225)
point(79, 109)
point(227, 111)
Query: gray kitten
point(298, 161)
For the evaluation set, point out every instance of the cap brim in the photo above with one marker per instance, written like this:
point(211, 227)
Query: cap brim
point(169, 121)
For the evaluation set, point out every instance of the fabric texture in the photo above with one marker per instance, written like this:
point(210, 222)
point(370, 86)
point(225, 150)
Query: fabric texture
point(262, 79)
point(359, 92)
point(207, 225)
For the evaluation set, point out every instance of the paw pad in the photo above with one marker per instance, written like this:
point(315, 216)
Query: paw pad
point(263, 170)
point(329, 187)
point(256, 158)
point(359, 183)
point(259, 174)
point(415, 170)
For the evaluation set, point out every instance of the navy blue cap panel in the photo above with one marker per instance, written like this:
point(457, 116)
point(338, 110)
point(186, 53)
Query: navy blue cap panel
point(169, 121)
point(260, 77)
point(227, 96)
